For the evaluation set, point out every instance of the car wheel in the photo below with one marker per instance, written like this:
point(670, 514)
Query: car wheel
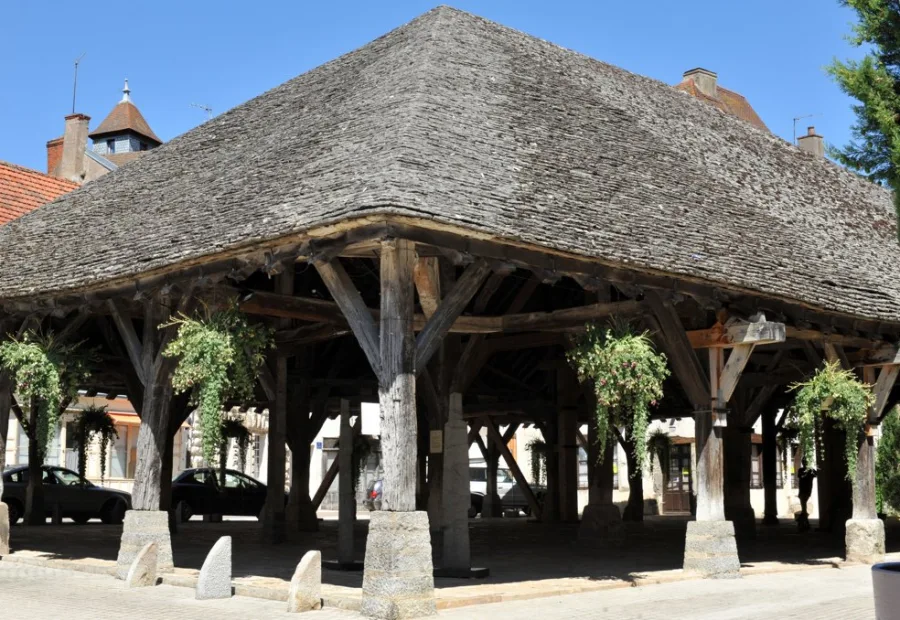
point(81, 519)
point(15, 511)
point(183, 511)
point(113, 512)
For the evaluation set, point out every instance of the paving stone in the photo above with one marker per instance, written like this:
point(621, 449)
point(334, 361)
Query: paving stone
point(143, 570)
point(215, 575)
point(306, 584)
point(142, 527)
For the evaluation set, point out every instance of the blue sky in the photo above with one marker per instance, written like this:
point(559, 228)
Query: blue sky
point(224, 53)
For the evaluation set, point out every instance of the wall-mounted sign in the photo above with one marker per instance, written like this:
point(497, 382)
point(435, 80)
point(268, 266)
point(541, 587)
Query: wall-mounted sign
point(436, 443)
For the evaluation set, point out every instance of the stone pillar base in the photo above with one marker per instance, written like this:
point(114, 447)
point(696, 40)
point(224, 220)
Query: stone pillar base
point(710, 549)
point(142, 527)
point(865, 541)
point(744, 521)
point(601, 523)
point(4, 529)
point(398, 579)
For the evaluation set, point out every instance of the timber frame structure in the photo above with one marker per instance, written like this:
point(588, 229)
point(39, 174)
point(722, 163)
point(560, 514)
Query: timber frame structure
point(440, 256)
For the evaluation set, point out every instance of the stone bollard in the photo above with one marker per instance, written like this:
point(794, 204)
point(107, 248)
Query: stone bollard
point(864, 541)
point(306, 584)
point(215, 574)
point(143, 570)
point(710, 549)
point(140, 528)
point(602, 523)
point(4, 529)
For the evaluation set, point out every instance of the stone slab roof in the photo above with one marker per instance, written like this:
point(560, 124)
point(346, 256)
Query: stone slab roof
point(460, 122)
point(22, 190)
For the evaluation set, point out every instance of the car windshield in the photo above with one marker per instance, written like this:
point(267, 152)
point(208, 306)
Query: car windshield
point(503, 475)
point(70, 478)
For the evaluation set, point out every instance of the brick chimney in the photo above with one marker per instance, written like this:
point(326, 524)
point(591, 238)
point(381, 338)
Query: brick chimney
point(54, 155)
point(704, 79)
point(812, 143)
point(74, 143)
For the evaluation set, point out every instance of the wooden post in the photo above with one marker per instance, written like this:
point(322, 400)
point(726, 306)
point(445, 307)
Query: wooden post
point(710, 462)
point(491, 506)
point(567, 430)
point(34, 492)
point(5, 408)
point(770, 469)
point(397, 387)
point(347, 499)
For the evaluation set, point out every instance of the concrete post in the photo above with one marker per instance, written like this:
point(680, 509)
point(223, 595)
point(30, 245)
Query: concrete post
point(456, 499)
point(864, 536)
point(346, 497)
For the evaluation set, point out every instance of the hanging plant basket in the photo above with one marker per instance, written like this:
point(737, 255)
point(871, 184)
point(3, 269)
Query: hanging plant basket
point(837, 394)
point(94, 422)
point(627, 374)
point(219, 356)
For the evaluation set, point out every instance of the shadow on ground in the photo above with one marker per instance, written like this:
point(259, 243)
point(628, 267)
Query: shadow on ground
point(514, 549)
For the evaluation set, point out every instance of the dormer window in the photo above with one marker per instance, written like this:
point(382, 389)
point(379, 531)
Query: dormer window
point(143, 146)
point(111, 146)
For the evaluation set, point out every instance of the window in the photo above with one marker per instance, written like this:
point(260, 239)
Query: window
point(582, 468)
point(756, 481)
point(111, 146)
point(143, 146)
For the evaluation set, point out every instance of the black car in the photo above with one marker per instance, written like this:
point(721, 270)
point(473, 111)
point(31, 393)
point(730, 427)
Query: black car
point(199, 492)
point(78, 498)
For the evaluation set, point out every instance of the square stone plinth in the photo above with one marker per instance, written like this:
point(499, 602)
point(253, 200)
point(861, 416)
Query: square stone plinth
point(865, 541)
point(4, 529)
point(142, 527)
point(710, 549)
point(398, 579)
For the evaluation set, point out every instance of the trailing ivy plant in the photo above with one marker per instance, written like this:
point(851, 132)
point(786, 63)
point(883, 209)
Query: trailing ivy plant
point(839, 395)
point(220, 354)
point(887, 464)
point(538, 449)
point(94, 422)
point(233, 428)
point(627, 374)
point(659, 444)
point(47, 374)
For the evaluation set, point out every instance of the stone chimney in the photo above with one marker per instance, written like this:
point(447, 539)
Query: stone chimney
point(71, 165)
point(704, 79)
point(54, 155)
point(812, 143)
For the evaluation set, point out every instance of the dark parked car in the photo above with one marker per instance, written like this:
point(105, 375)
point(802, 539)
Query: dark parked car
point(78, 498)
point(198, 492)
point(376, 488)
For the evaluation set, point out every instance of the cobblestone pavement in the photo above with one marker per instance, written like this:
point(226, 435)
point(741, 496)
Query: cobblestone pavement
point(827, 594)
point(28, 593)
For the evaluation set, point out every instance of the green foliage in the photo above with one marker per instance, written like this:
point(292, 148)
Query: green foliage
point(660, 444)
point(627, 374)
point(887, 464)
point(835, 393)
point(91, 422)
point(232, 428)
point(875, 82)
point(219, 359)
point(47, 375)
point(538, 449)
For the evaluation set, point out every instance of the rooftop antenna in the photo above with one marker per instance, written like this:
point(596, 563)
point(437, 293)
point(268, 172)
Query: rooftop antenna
point(800, 118)
point(75, 81)
point(205, 108)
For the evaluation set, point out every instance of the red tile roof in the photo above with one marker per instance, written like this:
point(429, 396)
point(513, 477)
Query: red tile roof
point(125, 117)
point(23, 190)
point(727, 101)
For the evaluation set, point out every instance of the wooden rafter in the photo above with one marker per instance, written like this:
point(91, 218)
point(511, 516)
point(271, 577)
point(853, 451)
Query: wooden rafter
point(495, 436)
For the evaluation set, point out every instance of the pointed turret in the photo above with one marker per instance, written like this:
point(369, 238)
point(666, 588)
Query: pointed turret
point(124, 134)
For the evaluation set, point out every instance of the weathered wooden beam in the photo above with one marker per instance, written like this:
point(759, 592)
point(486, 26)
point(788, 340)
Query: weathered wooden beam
point(133, 345)
point(429, 339)
point(887, 377)
point(428, 284)
point(495, 436)
point(885, 355)
point(293, 338)
point(354, 308)
point(569, 318)
point(731, 373)
point(736, 332)
point(797, 333)
point(673, 340)
point(326, 483)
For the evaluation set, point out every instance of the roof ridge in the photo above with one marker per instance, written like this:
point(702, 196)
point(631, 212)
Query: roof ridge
point(44, 175)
